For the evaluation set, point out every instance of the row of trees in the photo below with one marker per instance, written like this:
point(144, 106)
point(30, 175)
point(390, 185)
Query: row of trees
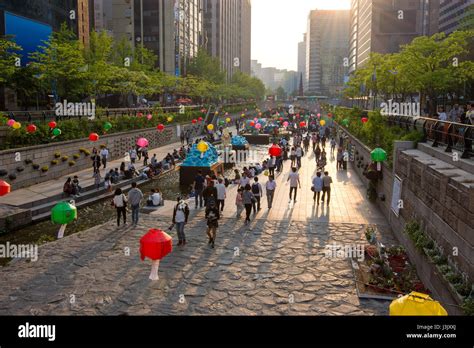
point(109, 67)
point(433, 66)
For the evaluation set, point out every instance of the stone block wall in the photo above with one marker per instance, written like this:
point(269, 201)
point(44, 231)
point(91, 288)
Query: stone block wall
point(42, 155)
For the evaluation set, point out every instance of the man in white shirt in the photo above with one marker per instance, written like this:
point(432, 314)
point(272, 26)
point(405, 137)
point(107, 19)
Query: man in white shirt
point(442, 115)
point(317, 187)
point(299, 154)
point(244, 181)
point(104, 154)
point(221, 194)
point(270, 188)
point(294, 179)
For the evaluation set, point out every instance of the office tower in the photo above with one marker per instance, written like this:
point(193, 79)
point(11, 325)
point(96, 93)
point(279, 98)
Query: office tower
point(453, 12)
point(227, 27)
point(326, 47)
point(302, 61)
point(383, 25)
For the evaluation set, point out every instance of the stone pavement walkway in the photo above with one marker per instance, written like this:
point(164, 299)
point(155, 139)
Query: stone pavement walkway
point(277, 266)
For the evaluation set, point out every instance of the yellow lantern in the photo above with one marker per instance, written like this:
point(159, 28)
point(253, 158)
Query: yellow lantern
point(170, 119)
point(243, 115)
point(216, 113)
point(16, 125)
point(416, 304)
point(322, 122)
point(227, 119)
point(202, 147)
point(210, 127)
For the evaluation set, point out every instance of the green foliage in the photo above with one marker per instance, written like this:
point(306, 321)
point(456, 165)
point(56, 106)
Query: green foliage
point(76, 156)
point(44, 169)
point(71, 163)
point(54, 162)
point(64, 158)
point(8, 54)
point(206, 67)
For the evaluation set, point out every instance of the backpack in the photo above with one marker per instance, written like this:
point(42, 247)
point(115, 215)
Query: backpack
point(255, 189)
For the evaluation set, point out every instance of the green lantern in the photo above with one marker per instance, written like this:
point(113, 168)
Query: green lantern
point(107, 126)
point(56, 132)
point(378, 155)
point(345, 122)
point(63, 213)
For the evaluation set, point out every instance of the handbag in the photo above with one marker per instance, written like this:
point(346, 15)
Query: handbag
point(312, 189)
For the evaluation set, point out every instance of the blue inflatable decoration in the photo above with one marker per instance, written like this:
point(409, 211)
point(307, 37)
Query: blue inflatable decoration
point(237, 140)
point(193, 159)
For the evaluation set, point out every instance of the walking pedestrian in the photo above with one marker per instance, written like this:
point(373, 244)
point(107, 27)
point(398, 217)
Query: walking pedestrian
point(299, 154)
point(333, 146)
point(145, 157)
point(180, 218)
point(257, 192)
point(271, 166)
point(135, 196)
point(327, 181)
point(198, 188)
point(239, 203)
point(248, 200)
point(212, 217)
point(97, 179)
point(270, 187)
point(293, 156)
point(317, 187)
point(133, 155)
point(210, 193)
point(104, 154)
point(294, 179)
point(120, 204)
point(221, 194)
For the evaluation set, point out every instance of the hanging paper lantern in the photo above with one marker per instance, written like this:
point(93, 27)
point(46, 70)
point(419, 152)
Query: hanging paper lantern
point(275, 151)
point(93, 137)
point(155, 245)
point(258, 126)
point(210, 127)
point(302, 124)
point(63, 213)
point(378, 155)
point(52, 124)
point(107, 126)
point(16, 125)
point(365, 120)
point(170, 119)
point(285, 124)
point(322, 123)
point(56, 132)
point(139, 114)
point(243, 115)
point(160, 127)
point(31, 128)
point(228, 119)
point(149, 117)
point(4, 188)
point(194, 121)
point(142, 142)
point(202, 147)
point(252, 123)
point(416, 304)
point(200, 119)
point(10, 122)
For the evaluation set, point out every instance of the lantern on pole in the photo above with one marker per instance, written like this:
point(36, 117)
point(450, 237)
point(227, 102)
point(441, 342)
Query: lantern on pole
point(93, 137)
point(275, 151)
point(210, 127)
point(5, 188)
point(142, 142)
point(10, 122)
point(160, 128)
point(416, 304)
point(194, 121)
point(107, 126)
point(56, 132)
point(202, 147)
point(345, 122)
point(365, 120)
point(378, 155)
point(155, 245)
point(62, 214)
point(31, 128)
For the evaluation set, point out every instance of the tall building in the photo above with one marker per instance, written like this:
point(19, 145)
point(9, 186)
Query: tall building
point(383, 25)
point(273, 78)
point(452, 13)
point(172, 29)
point(327, 39)
point(302, 61)
point(227, 28)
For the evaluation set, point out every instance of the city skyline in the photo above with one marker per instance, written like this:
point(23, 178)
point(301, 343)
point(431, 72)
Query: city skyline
point(290, 25)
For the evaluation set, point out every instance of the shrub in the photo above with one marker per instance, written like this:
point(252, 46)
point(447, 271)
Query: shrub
point(468, 306)
point(54, 162)
point(87, 153)
point(57, 155)
point(76, 156)
point(28, 161)
point(44, 169)
point(71, 163)
point(20, 169)
point(35, 166)
point(64, 158)
point(82, 150)
point(3, 172)
point(12, 176)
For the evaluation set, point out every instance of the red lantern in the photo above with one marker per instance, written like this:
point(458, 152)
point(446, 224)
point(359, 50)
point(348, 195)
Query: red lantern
point(200, 119)
point(140, 114)
point(275, 151)
point(252, 123)
point(365, 120)
point(4, 188)
point(281, 119)
point(52, 124)
point(302, 124)
point(93, 137)
point(155, 245)
point(194, 121)
point(31, 128)
point(329, 115)
point(160, 127)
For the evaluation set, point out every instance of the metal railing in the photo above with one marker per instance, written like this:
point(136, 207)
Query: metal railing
point(452, 135)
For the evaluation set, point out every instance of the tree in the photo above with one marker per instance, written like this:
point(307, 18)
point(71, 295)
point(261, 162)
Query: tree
point(207, 67)
point(8, 55)
point(281, 94)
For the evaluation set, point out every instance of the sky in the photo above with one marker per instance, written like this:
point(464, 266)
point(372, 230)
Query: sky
point(278, 26)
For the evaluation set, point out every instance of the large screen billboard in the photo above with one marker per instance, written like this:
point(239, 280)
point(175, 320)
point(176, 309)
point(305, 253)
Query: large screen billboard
point(27, 33)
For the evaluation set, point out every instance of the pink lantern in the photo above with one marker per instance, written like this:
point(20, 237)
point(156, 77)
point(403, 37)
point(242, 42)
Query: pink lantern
point(149, 117)
point(10, 122)
point(142, 142)
point(258, 126)
point(285, 124)
point(139, 114)
point(319, 115)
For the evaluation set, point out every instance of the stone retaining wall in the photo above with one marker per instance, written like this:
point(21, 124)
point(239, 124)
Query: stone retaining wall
point(42, 155)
